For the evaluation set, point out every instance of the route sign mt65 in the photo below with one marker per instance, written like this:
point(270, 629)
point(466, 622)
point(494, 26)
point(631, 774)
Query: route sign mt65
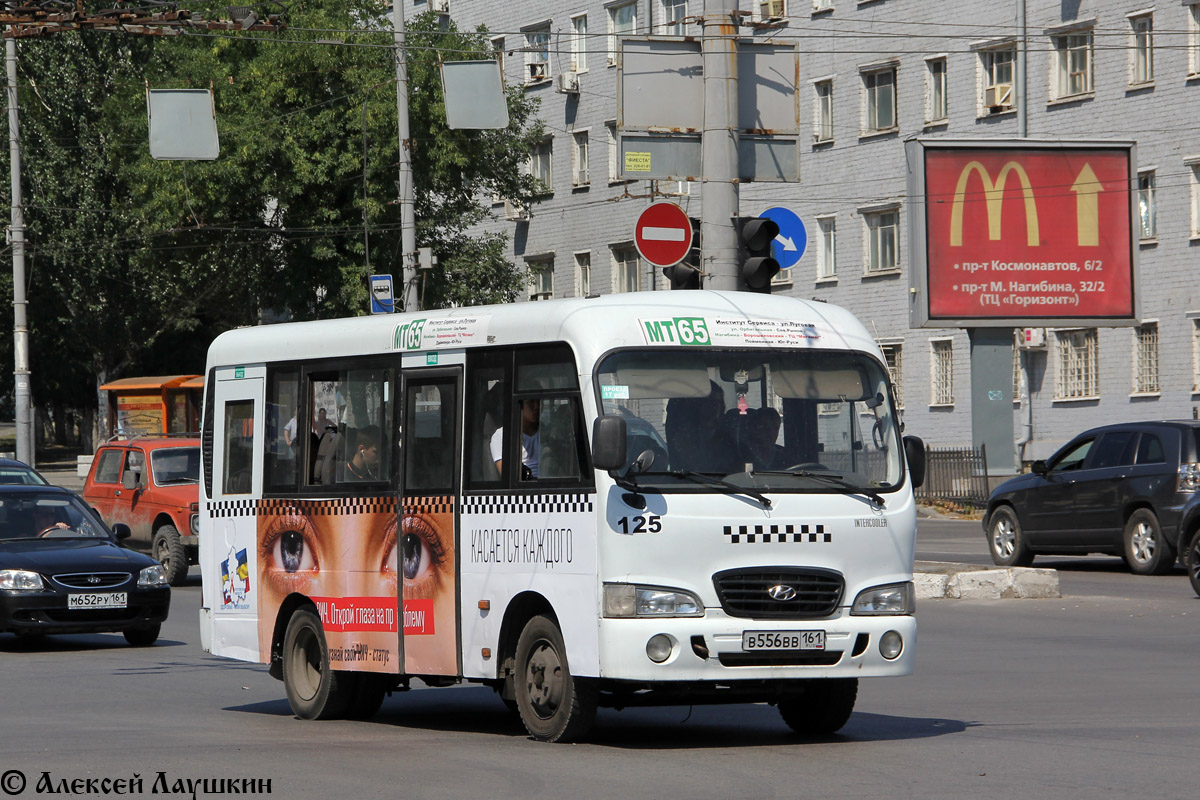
point(1016, 232)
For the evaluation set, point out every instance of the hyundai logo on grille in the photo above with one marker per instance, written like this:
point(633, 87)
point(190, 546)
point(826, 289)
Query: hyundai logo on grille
point(782, 592)
point(96, 579)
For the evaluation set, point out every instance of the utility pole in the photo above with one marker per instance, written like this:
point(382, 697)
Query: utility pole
point(719, 146)
point(408, 223)
point(24, 403)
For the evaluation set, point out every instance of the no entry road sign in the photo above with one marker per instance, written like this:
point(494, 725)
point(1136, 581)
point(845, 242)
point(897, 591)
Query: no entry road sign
point(663, 234)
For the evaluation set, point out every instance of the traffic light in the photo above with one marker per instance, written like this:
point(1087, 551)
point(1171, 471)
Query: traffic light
point(686, 274)
point(756, 234)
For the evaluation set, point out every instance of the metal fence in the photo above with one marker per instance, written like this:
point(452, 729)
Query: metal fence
point(958, 474)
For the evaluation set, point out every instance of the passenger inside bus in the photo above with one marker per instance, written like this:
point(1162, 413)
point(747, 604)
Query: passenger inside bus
point(759, 434)
point(696, 438)
point(530, 441)
point(364, 464)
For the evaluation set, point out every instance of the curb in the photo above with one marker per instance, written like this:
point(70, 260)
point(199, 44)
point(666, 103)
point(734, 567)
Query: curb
point(940, 579)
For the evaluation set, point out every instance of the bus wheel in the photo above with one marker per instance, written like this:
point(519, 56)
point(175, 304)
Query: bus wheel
point(554, 705)
point(314, 691)
point(823, 709)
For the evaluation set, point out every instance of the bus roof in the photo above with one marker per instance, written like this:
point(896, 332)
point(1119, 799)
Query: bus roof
point(592, 326)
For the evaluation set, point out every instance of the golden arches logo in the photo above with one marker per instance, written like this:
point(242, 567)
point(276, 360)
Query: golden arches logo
point(993, 195)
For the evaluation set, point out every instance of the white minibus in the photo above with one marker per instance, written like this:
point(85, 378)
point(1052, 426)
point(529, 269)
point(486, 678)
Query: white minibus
point(639, 499)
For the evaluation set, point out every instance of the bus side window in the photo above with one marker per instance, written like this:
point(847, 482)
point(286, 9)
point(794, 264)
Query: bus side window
point(239, 438)
point(488, 402)
point(559, 458)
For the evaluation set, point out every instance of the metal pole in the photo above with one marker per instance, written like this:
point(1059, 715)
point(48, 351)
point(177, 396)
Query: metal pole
point(1022, 64)
point(17, 234)
point(719, 147)
point(408, 223)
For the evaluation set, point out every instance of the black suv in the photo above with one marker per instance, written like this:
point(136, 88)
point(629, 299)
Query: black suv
point(1117, 489)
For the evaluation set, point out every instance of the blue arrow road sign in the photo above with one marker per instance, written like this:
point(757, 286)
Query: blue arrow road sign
point(381, 294)
point(792, 239)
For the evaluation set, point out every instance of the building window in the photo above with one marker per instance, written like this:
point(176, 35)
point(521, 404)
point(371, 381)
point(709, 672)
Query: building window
point(583, 274)
point(1018, 340)
point(626, 270)
point(822, 5)
point(893, 357)
point(827, 249)
point(997, 67)
point(673, 13)
point(1193, 38)
point(1145, 358)
point(1147, 204)
point(880, 91)
point(941, 373)
point(1078, 364)
point(614, 153)
point(1143, 49)
point(622, 21)
point(1195, 356)
point(579, 43)
point(498, 52)
point(579, 159)
point(537, 54)
point(1073, 65)
point(883, 232)
point(540, 166)
point(541, 279)
point(772, 9)
point(1194, 180)
point(935, 110)
point(823, 111)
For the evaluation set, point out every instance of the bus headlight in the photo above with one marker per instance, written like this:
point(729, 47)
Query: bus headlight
point(888, 600)
point(630, 600)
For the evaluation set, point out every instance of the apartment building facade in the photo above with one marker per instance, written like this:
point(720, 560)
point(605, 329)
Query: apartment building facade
point(874, 73)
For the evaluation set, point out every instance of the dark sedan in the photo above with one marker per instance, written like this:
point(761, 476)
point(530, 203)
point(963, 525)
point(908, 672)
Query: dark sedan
point(63, 571)
point(1117, 489)
point(18, 472)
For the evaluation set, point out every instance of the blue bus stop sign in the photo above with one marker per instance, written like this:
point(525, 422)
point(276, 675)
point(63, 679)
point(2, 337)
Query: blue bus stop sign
point(792, 239)
point(382, 301)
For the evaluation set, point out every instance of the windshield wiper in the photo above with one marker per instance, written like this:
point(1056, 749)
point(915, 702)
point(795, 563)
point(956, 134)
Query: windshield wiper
point(836, 480)
point(700, 477)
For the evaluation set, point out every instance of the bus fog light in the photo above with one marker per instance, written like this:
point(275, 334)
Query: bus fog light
point(658, 649)
point(890, 645)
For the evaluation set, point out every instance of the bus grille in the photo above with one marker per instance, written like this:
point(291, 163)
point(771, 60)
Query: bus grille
point(799, 593)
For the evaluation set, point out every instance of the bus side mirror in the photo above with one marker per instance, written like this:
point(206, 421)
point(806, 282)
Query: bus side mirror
point(914, 452)
point(608, 443)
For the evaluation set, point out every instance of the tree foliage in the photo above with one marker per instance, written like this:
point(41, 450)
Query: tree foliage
point(136, 264)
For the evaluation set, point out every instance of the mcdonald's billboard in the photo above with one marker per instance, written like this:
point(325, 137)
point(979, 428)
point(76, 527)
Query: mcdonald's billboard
point(1013, 233)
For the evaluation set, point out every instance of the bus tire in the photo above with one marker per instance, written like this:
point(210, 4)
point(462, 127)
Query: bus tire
point(168, 549)
point(555, 706)
point(314, 690)
point(823, 709)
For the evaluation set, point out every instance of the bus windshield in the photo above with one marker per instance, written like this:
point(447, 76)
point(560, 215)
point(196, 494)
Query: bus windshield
point(790, 421)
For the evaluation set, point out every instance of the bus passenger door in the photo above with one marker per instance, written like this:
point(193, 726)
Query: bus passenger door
point(427, 540)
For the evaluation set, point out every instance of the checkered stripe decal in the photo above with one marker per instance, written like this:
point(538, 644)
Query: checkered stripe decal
point(529, 504)
point(329, 507)
point(772, 533)
point(429, 505)
point(232, 508)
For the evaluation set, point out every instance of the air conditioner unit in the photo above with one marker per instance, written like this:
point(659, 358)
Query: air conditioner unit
point(568, 83)
point(439, 6)
point(1033, 338)
point(772, 9)
point(514, 211)
point(998, 97)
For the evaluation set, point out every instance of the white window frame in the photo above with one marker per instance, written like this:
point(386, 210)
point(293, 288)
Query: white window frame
point(819, 6)
point(875, 239)
point(541, 277)
point(498, 52)
point(827, 248)
point(874, 90)
point(823, 110)
point(997, 72)
point(537, 52)
point(1141, 48)
point(1147, 200)
point(1193, 166)
point(1018, 374)
point(770, 9)
point(1077, 364)
point(583, 273)
point(893, 359)
point(1193, 39)
point(614, 153)
point(941, 372)
point(579, 43)
point(1194, 316)
point(1072, 80)
point(625, 258)
point(580, 156)
point(672, 20)
point(1145, 359)
point(541, 165)
point(937, 101)
point(614, 32)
